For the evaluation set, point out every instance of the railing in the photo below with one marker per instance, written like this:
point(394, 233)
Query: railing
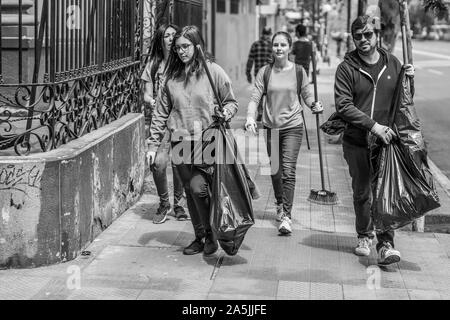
point(80, 73)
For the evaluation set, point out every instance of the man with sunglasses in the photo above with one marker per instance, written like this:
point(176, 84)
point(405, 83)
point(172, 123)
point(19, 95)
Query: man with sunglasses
point(364, 87)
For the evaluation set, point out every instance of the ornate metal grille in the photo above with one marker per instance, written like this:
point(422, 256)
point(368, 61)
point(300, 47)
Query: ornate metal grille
point(79, 73)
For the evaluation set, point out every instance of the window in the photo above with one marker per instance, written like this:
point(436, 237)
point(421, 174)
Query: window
point(221, 6)
point(234, 6)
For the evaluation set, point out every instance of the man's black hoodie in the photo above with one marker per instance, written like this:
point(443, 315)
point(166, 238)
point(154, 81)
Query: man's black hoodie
point(354, 95)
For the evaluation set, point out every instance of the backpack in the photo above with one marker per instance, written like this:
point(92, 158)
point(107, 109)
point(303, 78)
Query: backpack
point(298, 72)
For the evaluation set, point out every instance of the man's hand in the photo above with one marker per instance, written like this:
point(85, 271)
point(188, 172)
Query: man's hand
point(150, 155)
point(386, 134)
point(227, 114)
point(409, 70)
point(317, 107)
point(250, 125)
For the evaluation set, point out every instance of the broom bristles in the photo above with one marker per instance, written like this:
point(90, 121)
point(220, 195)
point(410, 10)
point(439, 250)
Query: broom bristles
point(323, 197)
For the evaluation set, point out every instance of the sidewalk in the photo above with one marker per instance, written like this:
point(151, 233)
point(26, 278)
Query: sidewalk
point(136, 259)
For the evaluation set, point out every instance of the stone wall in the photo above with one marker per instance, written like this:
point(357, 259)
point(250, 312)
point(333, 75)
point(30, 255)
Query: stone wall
point(54, 204)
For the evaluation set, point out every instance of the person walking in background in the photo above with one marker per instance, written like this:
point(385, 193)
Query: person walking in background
point(186, 106)
point(153, 77)
point(260, 54)
point(282, 121)
point(302, 48)
point(364, 87)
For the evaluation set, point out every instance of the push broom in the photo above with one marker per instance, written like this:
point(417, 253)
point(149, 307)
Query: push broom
point(322, 196)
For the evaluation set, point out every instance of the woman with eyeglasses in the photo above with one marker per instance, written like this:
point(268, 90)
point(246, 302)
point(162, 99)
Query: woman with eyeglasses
point(153, 77)
point(186, 107)
point(283, 122)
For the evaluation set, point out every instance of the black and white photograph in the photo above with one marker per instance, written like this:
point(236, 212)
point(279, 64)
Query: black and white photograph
point(224, 158)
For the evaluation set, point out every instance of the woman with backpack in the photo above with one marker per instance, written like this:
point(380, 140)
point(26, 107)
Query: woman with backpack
point(284, 84)
point(153, 77)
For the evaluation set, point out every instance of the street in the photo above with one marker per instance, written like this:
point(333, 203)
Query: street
point(432, 62)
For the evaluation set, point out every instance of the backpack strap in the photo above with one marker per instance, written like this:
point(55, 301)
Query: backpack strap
point(299, 76)
point(266, 78)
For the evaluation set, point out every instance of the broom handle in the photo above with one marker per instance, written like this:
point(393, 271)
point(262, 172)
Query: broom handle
point(202, 57)
point(316, 99)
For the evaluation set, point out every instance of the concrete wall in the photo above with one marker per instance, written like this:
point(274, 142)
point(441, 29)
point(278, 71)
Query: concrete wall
point(234, 35)
point(54, 204)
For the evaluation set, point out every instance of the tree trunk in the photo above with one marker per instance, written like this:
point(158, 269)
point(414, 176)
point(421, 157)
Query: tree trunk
point(390, 22)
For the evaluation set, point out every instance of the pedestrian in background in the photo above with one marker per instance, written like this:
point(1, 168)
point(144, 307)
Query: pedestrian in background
point(364, 87)
point(153, 77)
point(303, 48)
point(186, 106)
point(260, 54)
point(282, 122)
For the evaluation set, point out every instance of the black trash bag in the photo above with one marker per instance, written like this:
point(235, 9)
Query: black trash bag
point(405, 188)
point(402, 193)
point(232, 188)
point(334, 125)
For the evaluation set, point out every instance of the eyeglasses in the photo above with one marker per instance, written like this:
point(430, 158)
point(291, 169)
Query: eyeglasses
point(368, 35)
point(184, 47)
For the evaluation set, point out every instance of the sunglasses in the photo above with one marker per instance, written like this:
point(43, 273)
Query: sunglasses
point(368, 35)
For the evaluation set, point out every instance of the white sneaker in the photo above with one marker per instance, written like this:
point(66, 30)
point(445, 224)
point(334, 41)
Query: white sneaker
point(363, 247)
point(280, 212)
point(388, 255)
point(285, 226)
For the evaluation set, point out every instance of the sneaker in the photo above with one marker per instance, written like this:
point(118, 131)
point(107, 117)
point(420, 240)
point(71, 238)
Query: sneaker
point(280, 212)
point(285, 226)
point(211, 245)
point(162, 212)
point(195, 247)
point(180, 213)
point(388, 255)
point(363, 247)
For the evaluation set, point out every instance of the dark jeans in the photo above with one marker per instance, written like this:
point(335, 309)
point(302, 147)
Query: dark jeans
point(283, 147)
point(159, 169)
point(361, 171)
point(198, 194)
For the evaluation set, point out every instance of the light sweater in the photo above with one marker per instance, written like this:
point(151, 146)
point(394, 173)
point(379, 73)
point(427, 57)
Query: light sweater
point(283, 109)
point(186, 107)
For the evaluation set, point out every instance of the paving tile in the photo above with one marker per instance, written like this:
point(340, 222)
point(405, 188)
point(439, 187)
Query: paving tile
point(151, 262)
point(244, 287)
point(358, 293)
point(392, 294)
point(221, 296)
point(326, 291)
point(417, 294)
point(93, 293)
point(293, 290)
point(20, 288)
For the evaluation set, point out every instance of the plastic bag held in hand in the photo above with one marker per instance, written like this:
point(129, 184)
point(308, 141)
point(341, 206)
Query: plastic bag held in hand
point(404, 190)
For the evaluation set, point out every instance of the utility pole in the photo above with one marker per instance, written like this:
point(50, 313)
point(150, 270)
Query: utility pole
point(362, 7)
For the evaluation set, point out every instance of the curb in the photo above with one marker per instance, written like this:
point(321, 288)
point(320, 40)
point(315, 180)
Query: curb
point(445, 184)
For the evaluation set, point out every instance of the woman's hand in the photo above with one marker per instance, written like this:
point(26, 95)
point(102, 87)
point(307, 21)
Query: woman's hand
point(409, 70)
point(317, 107)
point(226, 114)
point(250, 125)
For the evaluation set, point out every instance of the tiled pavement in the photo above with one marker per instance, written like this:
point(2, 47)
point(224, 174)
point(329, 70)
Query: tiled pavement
point(135, 259)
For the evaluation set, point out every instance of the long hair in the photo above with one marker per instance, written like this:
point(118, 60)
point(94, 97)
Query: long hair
point(176, 67)
point(156, 54)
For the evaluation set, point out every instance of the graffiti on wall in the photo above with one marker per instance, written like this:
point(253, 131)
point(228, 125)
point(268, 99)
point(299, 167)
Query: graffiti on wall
point(20, 178)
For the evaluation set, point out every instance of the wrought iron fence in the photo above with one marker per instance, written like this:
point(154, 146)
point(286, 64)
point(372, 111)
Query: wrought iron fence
point(85, 62)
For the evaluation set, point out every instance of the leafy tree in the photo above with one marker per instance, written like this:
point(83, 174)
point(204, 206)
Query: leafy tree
point(390, 17)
